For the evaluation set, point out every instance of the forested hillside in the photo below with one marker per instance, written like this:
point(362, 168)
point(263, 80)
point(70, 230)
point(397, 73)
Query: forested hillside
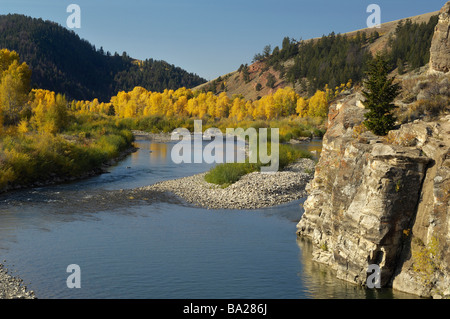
point(329, 61)
point(63, 62)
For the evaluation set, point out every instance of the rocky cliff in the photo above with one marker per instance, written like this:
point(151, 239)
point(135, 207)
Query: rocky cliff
point(385, 200)
point(382, 200)
point(440, 46)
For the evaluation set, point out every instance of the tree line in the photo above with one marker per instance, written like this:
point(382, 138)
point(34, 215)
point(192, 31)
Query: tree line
point(335, 58)
point(63, 62)
point(183, 102)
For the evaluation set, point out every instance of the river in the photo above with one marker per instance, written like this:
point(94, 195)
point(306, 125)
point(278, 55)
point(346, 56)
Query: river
point(164, 248)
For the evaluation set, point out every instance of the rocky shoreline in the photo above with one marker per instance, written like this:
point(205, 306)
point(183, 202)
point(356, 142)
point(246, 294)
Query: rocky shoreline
point(253, 191)
point(12, 287)
point(155, 137)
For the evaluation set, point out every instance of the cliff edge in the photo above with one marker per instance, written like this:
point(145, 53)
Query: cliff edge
point(381, 200)
point(385, 200)
point(440, 45)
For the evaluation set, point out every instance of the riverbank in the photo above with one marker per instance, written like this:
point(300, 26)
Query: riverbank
point(12, 287)
point(155, 137)
point(167, 137)
point(55, 179)
point(252, 191)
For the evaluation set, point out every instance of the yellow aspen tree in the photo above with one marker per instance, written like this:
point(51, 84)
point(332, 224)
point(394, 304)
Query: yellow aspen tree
point(180, 106)
point(211, 104)
point(223, 105)
point(120, 102)
point(318, 105)
point(130, 109)
point(154, 100)
point(139, 96)
point(7, 58)
point(259, 112)
point(22, 127)
point(349, 84)
point(50, 111)
point(285, 101)
point(202, 107)
point(94, 106)
point(14, 89)
point(270, 108)
point(234, 111)
point(192, 107)
point(302, 107)
point(246, 110)
point(238, 109)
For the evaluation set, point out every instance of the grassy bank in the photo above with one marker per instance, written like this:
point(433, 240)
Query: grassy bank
point(228, 173)
point(87, 143)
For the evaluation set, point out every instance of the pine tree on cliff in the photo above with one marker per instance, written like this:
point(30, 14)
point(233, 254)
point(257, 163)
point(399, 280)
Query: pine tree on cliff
point(380, 92)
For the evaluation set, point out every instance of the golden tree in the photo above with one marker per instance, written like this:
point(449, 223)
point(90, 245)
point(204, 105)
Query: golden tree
point(318, 105)
point(50, 111)
point(302, 107)
point(14, 87)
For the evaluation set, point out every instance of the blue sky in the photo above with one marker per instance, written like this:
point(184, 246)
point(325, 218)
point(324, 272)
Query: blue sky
point(211, 37)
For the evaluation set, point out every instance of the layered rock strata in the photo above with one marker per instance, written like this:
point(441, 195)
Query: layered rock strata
point(374, 199)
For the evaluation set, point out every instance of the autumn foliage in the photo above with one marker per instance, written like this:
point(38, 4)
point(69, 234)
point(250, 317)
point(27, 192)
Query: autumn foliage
point(139, 102)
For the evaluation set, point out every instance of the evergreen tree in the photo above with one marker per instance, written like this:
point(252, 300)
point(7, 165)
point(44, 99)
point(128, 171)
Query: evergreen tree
point(271, 80)
point(380, 92)
point(61, 61)
point(246, 74)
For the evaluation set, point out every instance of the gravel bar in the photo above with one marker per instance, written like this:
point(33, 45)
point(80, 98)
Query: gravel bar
point(252, 191)
point(12, 287)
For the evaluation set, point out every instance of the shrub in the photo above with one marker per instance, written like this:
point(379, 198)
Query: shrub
point(88, 143)
point(426, 259)
point(228, 173)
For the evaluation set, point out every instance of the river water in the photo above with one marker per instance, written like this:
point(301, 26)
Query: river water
point(159, 248)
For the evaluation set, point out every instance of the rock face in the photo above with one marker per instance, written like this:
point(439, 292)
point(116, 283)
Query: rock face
point(440, 45)
point(382, 201)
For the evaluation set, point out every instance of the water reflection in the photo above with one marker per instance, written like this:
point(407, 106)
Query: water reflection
point(315, 147)
point(158, 152)
point(321, 283)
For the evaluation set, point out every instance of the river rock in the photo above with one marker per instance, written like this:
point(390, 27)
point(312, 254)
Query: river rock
point(12, 287)
point(252, 191)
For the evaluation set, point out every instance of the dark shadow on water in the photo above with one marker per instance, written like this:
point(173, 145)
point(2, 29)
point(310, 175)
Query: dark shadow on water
point(321, 282)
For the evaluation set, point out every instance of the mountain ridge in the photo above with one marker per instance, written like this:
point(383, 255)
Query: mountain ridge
point(234, 84)
point(63, 62)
